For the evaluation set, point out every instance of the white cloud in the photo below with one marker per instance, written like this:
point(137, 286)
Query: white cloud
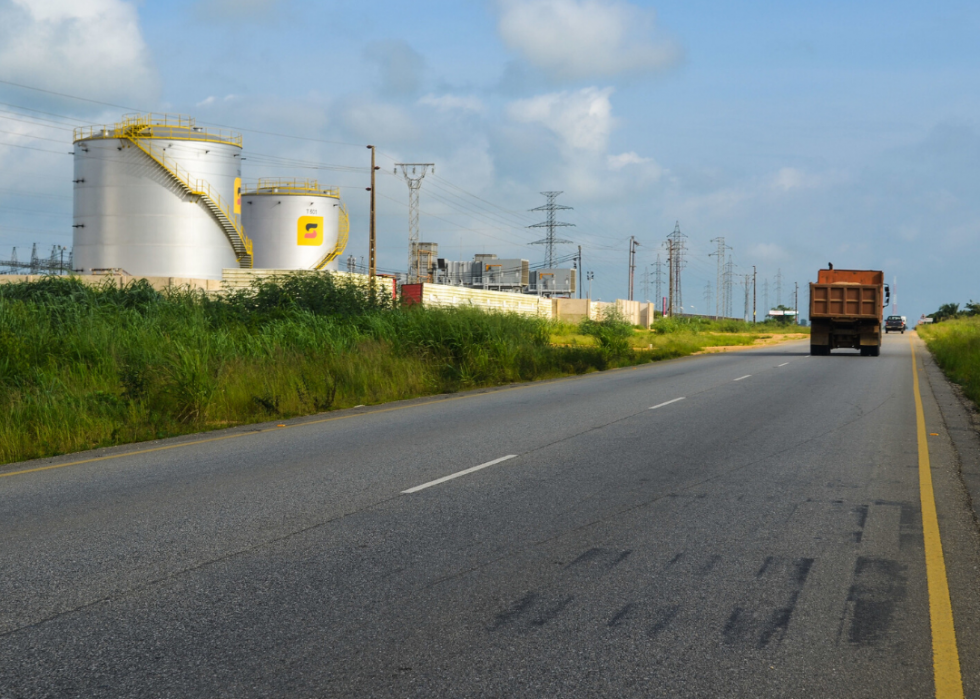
point(400, 67)
point(94, 48)
point(576, 39)
point(618, 162)
point(582, 119)
point(379, 122)
point(449, 103)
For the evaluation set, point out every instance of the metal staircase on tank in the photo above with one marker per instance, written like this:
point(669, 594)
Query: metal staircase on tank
point(343, 231)
point(132, 131)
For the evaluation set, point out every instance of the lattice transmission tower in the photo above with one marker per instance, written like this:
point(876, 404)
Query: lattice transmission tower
point(779, 287)
point(677, 249)
point(550, 241)
point(55, 263)
point(659, 280)
point(728, 279)
point(414, 173)
point(720, 280)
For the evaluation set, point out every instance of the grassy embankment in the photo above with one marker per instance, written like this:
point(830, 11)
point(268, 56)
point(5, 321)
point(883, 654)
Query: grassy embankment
point(956, 345)
point(83, 367)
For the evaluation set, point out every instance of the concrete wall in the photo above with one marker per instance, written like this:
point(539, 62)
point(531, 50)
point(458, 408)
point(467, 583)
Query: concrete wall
point(158, 283)
point(449, 296)
point(242, 278)
point(576, 310)
point(231, 279)
point(571, 310)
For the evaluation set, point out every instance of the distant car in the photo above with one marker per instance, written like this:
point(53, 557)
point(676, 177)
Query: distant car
point(895, 323)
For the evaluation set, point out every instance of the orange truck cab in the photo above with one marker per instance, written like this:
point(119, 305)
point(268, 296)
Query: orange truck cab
point(846, 310)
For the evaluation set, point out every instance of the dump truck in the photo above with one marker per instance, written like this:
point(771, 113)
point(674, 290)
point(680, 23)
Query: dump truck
point(846, 309)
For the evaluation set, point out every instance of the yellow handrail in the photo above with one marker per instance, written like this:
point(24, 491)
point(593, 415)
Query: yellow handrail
point(163, 126)
point(277, 185)
point(196, 186)
point(343, 231)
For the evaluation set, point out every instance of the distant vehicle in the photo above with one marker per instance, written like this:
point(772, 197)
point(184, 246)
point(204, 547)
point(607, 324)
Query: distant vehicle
point(846, 310)
point(896, 323)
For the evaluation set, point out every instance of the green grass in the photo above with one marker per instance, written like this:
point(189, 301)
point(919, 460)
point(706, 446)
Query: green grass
point(956, 345)
point(84, 367)
point(672, 337)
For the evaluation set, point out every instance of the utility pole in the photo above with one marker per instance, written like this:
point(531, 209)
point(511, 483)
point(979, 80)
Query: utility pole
point(372, 235)
point(753, 294)
point(707, 297)
point(796, 301)
point(677, 246)
point(745, 314)
point(719, 281)
point(578, 271)
point(670, 277)
point(659, 280)
point(590, 276)
point(633, 243)
point(549, 241)
point(414, 180)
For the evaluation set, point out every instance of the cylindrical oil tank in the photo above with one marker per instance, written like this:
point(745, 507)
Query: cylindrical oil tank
point(294, 224)
point(155, 196)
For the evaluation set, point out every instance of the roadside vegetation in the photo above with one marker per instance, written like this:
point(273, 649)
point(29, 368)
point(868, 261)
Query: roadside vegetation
point(955, 343)
point(673, 337)
point(84, 367)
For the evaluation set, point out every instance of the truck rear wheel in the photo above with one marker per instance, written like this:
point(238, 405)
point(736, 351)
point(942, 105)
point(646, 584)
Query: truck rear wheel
point(819, 350)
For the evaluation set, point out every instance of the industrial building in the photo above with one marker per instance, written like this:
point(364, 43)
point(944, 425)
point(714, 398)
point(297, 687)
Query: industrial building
point(487, 271)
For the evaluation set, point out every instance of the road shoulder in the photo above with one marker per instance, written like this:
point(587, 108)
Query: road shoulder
point(962, 423)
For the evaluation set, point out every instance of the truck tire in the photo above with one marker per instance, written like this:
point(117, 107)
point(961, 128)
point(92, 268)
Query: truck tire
point(819, 350)
point(875, 351)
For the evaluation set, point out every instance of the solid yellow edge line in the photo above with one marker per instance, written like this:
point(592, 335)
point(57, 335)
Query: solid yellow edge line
point(945, 656)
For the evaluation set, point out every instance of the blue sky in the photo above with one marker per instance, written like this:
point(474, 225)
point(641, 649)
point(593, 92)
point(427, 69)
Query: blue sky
point(801, 132)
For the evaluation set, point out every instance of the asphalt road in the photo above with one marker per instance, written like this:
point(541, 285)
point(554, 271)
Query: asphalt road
point(759, 534)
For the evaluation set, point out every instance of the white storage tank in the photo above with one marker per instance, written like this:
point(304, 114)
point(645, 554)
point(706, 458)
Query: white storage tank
point(295, 224)
point(155, 196)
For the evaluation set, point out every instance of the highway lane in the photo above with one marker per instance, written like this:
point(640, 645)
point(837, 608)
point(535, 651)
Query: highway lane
point(745, 524)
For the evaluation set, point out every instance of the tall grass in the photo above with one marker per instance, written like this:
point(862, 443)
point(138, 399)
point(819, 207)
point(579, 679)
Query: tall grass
point(956, 345)
point(85, 366)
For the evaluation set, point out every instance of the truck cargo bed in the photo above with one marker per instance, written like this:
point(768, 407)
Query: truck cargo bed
point(845, 300)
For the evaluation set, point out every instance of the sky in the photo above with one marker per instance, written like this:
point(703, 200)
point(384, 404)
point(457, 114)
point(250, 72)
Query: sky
point(802, 133)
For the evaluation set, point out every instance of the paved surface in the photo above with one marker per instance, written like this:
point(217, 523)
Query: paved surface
point(761, 537)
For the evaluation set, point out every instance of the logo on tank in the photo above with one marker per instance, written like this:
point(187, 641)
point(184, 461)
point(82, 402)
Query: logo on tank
point(309, 230)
